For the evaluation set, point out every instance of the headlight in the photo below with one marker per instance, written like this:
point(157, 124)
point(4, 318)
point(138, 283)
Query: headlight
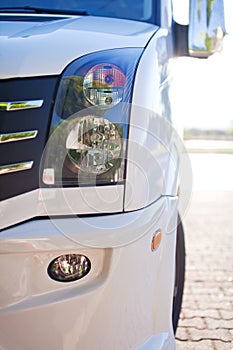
point(89, 128)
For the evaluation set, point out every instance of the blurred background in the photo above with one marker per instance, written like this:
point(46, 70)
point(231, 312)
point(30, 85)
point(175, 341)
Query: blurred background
point(203, 98)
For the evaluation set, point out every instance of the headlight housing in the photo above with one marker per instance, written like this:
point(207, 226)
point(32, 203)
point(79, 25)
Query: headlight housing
point(89, 128)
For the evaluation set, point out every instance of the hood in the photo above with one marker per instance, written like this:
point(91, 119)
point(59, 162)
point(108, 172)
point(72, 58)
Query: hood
point(32, 45)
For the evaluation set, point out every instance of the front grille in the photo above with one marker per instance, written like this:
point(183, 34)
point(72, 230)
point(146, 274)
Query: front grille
point(27, 150)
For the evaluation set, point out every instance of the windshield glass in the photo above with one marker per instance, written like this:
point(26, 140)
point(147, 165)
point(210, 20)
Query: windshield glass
point(141, 10)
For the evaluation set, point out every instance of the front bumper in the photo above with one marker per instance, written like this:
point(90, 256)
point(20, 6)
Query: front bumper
point(125, 302)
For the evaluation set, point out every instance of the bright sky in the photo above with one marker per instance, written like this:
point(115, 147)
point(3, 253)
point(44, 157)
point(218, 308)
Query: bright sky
point(202, 89)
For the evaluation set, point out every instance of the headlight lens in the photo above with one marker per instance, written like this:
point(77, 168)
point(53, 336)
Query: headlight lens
point(94, 144)
point(104, 85)
point(89, 128)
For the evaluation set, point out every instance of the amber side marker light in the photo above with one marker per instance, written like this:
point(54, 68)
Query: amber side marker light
point(156, 240)
point(69, 267)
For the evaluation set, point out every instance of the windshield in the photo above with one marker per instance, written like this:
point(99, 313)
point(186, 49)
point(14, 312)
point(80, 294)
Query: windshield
point(141, 10)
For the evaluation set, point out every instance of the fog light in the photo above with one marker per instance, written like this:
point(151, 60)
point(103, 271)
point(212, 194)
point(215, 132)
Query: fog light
point(69, 267)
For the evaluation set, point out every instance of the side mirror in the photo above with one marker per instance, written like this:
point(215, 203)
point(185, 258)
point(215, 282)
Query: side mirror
point(206, 27)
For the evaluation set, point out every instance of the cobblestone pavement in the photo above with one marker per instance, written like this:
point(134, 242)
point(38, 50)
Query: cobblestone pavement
point(207, 312)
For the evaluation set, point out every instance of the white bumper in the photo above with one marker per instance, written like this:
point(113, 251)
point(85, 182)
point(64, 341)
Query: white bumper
point(125, 302)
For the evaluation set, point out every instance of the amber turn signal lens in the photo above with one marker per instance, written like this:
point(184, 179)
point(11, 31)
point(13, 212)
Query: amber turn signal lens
point(156, 240)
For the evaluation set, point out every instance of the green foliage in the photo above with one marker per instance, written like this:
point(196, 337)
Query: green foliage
point(208, 134)
point(208, 43)
point(70, 96)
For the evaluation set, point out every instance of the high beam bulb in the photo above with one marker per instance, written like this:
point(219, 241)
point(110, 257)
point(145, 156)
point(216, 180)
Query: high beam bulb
point(104, 85)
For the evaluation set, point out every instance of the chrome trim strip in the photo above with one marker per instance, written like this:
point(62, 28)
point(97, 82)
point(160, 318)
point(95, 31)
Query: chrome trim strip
point(11, 168)
point(19, 105)
point(17, 136)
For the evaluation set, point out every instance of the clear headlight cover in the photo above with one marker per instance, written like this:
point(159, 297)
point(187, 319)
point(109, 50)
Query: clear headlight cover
point(89, 128)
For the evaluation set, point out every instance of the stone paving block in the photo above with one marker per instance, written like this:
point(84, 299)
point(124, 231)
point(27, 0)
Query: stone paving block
point(227, 314)
point(188, 313)
point(191, 304)
point(206, 290)
point(182, 334)
point(217, 298)
point(202, 345)
point(221, 305)
point(196, 322)
point(216, 334)
point(204, 284)
point(189, 297)
point(216, 324)
point(228, 291)
point(218, 345)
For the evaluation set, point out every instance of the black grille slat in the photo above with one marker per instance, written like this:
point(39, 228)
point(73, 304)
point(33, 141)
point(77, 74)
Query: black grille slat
point(13, 184)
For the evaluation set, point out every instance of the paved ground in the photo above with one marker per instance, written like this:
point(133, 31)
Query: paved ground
point(207, 313)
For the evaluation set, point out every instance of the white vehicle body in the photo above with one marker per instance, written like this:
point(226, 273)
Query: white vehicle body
point(127, 229)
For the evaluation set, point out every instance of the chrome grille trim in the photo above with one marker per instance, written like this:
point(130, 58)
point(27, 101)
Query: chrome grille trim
point(19, 105)
point(11, 168)
point(18, 136)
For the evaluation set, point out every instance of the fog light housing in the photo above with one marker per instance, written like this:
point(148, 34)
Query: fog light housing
point(69, 267)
